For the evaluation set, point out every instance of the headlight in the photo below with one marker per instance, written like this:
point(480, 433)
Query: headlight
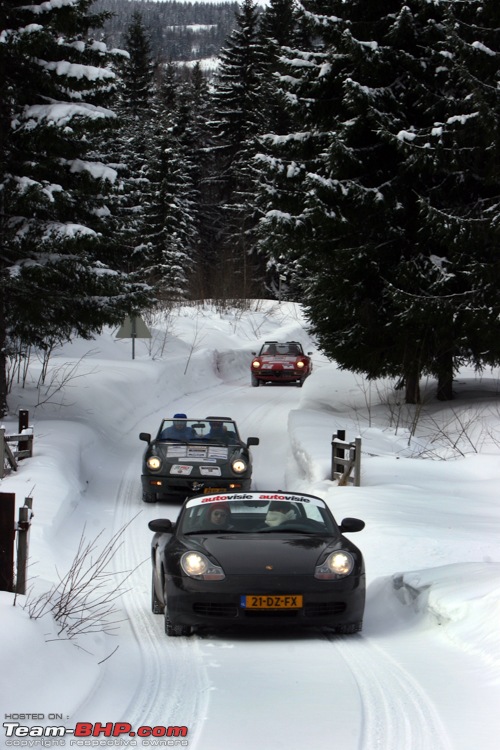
point(256, 364)
point(239, 466)
point(336, 565)
point(153, 463)
point(197, 565)
point(300, 364)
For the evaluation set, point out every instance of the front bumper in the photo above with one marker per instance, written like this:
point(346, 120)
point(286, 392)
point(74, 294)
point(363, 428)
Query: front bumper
point(280, 376)
point(217, 604)
point(165, 486)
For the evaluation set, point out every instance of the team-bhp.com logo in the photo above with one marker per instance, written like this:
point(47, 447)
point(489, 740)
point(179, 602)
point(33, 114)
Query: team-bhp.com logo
point(87, 734)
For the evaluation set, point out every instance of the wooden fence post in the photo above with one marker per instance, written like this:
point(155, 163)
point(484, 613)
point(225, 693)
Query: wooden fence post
point(357, 462)
point(23, 530)
point(2, 452)
point(7, 536)
point(23, 424)
point(340, 453)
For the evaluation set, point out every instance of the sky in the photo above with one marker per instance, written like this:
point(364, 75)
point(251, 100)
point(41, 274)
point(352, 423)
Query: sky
point(424, 674)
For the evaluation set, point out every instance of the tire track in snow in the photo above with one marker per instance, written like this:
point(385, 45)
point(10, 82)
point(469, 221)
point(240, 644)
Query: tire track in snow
point(152, 680)
point(397, 713)
point(174, 686)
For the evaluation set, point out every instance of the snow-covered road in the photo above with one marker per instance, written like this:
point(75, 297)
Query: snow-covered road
point(246, 690)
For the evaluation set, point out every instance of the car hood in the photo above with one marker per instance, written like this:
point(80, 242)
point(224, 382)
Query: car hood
point(195, 451)
point(279, 359)
point(297, 554)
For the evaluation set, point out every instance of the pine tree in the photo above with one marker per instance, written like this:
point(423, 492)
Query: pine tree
point(239, 104)
point(55, 280)
point(170, 231)
point(387, 188)
point(130, 144)
point(195, 141)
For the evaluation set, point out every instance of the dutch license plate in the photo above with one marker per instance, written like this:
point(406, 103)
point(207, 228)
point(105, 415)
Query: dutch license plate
point(213, 490)
point(271, 601)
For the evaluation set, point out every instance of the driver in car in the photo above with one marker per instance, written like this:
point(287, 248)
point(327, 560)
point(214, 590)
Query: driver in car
point(179, 430)
point(217, 517)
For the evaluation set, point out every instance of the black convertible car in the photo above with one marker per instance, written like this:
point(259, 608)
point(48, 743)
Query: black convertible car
point(195, 456)
point(248, 559)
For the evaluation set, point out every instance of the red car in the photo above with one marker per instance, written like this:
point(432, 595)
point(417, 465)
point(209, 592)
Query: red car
point(280, 363)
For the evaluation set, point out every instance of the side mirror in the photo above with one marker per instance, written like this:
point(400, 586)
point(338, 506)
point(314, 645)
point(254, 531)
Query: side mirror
point(145, 436)
point(351, 524)
point(253, 441)
point(163, 525)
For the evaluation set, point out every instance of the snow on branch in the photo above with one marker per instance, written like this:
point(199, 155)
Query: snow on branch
point(61, 113)
point(50, 5)
point(98, 170)
point(483, 48)
point(77, 70)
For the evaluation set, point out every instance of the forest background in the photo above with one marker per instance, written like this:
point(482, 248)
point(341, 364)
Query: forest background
point(344, 154)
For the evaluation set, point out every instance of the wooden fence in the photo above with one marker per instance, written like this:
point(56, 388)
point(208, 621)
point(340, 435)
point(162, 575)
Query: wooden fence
point(24, 449)
point(346, 460)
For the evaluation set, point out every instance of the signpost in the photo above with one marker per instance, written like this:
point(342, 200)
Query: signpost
point(133, 328)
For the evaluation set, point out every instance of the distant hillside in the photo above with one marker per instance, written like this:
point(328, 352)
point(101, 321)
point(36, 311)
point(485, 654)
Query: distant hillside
point(178, 30)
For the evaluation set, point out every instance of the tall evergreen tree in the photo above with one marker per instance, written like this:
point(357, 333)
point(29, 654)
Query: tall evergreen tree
point(194, 142)
point(387, 188)
point(55, 278)
point(239, 105)
point(130, 144)
point(170, 230)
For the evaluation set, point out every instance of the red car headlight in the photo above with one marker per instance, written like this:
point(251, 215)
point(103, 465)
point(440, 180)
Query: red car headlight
point(256, 364)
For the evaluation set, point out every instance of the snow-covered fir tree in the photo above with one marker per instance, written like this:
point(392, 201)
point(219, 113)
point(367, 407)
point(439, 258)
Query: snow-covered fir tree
point(56, 279)
point(170, 229)
point(129, 144)
point(384, 198)
point(239, 106)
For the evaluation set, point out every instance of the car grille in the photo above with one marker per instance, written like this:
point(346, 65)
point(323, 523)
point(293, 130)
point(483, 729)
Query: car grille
point(215, 609)
point(270, 613)
point(279, 373)
point(229, 611)
point(320, 609)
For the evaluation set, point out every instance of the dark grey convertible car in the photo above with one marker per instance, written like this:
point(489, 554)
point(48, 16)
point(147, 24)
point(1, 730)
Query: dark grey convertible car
point(243, 559)
point(193, 456)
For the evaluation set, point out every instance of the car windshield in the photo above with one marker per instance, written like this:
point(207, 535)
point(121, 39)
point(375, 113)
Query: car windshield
point(257, 516)
point(204, 430)
point(281, 349)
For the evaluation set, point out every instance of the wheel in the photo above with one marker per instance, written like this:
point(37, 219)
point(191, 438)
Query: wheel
point(300, 382)
point(349, 628)
point(149, 497)
point(156, 605)
point(255, 381)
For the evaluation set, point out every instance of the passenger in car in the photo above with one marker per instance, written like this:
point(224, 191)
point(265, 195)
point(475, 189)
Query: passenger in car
point(219, 432)
point(279, 513)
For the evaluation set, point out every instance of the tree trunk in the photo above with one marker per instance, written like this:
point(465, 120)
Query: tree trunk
point(3, 357)
point(412, 386)
point(445, 377)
